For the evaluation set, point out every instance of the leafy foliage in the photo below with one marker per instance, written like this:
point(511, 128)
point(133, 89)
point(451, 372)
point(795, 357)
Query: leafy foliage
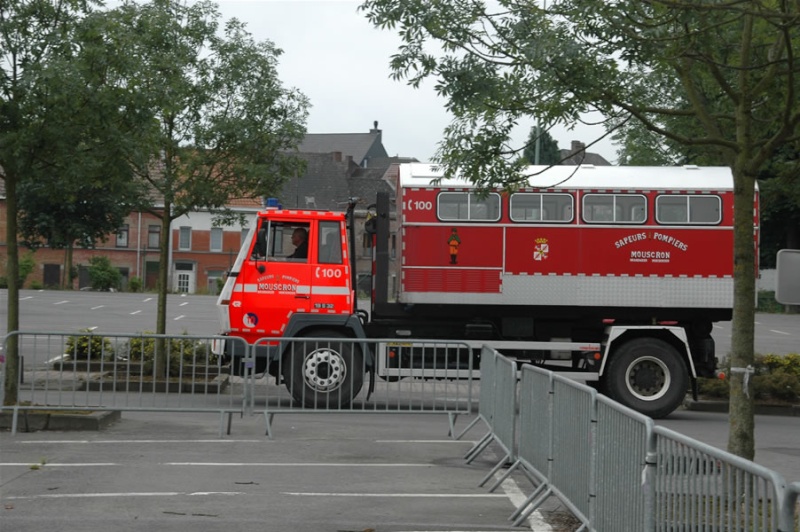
point(89, 347)
point(179, 352)
point(540, 141)
point(776, 379)
point(103, 275)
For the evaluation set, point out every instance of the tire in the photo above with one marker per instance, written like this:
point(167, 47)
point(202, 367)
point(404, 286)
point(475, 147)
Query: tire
point(648, 375)
point(325, 374)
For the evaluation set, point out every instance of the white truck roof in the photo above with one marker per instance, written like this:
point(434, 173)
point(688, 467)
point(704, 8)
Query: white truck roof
point(715, 178)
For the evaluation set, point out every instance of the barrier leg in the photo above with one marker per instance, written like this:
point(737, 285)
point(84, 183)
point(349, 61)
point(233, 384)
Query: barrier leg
point(495, 469)
point(471, 424)
point(479, 447)
point(505, 475)
point(529, 506)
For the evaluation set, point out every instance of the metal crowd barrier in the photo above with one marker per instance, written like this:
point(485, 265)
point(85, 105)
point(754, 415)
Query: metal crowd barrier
point(149, 372)
point(615, 470)
point(412, 376)
point(84, 371)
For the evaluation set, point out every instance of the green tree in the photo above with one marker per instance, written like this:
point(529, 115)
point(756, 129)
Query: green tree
point(226, 127)
point(727, 69)
point(82, 185)
point(46, 59)
point(541, 148)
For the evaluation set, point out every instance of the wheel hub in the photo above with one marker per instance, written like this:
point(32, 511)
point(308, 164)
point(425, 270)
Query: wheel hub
point(324, 370)
point(648, 378)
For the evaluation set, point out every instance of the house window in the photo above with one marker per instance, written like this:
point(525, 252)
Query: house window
point(122, 236)
point(153, 236)
point(216, 239)
point(185, 238)
point(393, 251)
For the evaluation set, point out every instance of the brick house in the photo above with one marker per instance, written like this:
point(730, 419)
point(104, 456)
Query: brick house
point(339, 166)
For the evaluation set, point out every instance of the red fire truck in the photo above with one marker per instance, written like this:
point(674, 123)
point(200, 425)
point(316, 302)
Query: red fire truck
point(614, 275)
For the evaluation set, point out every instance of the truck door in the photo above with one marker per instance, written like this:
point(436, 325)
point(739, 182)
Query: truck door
point(277, 276)
point(330, 278)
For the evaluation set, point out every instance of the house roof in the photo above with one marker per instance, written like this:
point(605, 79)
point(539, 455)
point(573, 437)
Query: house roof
point(362, 147)
point(578, 155)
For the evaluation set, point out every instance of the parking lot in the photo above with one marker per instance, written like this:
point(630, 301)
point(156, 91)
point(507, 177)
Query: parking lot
point(323, 473)
point(337, 472)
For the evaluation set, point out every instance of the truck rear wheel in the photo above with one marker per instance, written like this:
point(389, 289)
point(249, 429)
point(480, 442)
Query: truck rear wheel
point(324, 373)
point(647, 375)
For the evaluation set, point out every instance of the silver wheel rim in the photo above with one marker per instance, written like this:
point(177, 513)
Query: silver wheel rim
point(662, 378)
point(324, 370)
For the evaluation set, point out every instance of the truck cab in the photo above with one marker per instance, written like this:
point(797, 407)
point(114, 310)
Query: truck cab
point(292, 278)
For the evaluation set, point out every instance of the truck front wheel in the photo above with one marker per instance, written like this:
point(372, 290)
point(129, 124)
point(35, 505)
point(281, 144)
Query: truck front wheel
point(325, 374)
point(647, 375)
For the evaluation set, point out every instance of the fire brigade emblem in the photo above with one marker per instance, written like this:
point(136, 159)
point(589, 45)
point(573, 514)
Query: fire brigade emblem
point(541, 250)
point(250, 320)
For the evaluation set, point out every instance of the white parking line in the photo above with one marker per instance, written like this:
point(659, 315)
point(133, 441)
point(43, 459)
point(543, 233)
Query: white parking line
point(780, 332)
point(288, 464)
point(401, 495)
point(179, 317)
point(60, 302)
point(97, 307)
point(135, 312)
point(147, 299)
point(122, 494)
point(26, 297)
point(183, 304)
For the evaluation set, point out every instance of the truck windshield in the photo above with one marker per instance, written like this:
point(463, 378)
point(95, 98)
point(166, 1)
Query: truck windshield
point(281, 241)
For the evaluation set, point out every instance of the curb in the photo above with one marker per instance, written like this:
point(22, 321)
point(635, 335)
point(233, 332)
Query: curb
point(28, 421)
point(722, 406)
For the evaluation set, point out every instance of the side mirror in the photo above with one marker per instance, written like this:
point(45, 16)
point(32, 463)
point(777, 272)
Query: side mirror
point(260, 268)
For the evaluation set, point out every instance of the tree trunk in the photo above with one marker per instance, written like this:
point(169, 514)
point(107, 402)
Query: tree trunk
point(66, 276)
point(161, 366)
point(10, 395)
point(741, 438)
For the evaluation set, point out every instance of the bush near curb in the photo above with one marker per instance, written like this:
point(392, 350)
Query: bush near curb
point(88, 347)
point(179, 351)
point(776, 380)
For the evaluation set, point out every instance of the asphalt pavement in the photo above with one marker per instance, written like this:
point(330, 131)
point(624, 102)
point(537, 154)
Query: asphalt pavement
point(321, 472)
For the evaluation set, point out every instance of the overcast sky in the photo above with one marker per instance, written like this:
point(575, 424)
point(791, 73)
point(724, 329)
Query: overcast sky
point(334, 56)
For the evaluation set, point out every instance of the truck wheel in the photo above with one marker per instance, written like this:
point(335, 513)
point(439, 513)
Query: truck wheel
point(647, 375)
point(325, 373)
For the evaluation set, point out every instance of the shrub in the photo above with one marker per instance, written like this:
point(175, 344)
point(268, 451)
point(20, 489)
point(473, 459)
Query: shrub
point(102, 275)
point(179, 351)
point(775, 378)
point(26, 266)
point(36, 285)
point(135, 284)
point(767, 302)
point(88, 347)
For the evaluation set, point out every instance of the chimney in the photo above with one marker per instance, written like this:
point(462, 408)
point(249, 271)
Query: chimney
point(578, 146)
point(337, 156)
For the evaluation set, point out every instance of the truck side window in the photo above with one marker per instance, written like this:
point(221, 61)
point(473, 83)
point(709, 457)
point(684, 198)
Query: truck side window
point(614, 208)
point(688, 209)
point(547, 207)
point(279, 241)
point(330, 243)
point(260, 247)
point(453, 206)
